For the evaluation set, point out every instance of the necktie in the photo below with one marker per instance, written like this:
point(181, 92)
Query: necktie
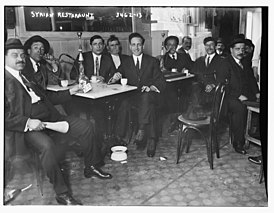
point(208, 61)
point(38, 67)
point(97, 66)
point(173, 57)
point(137, 66)
point(241, 65)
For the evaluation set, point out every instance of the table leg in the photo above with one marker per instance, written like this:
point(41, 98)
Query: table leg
point(248, 124)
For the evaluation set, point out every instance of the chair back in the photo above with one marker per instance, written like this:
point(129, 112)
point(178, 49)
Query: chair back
point(217, 103)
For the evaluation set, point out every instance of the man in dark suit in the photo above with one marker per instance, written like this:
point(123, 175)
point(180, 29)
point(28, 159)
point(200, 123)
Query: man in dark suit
point(205, 69)
point(186, 46)
point(170, 62)
point(27, 107)
point(95, 63)
point(242, 86)
point(142, 71)
point(114, 51)
point(37, 68)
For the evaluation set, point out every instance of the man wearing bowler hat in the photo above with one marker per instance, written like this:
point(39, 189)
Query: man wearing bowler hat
point(40, 65)
point(27, 107)
point(241, 87)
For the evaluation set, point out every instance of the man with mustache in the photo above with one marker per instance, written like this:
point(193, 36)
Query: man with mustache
point(242, 86)
point(27, 107)
point(186, 46)
point(220, 48)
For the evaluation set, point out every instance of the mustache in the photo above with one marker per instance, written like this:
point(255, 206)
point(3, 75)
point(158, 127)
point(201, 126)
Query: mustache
point(21, 62)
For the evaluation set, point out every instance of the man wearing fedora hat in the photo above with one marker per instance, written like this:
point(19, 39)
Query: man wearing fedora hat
point(27, 107)
point(205, 69)
point(241, 87)
point(40, 65)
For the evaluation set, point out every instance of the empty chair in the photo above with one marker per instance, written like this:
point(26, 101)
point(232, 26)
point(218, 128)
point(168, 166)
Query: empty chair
point(210, 122)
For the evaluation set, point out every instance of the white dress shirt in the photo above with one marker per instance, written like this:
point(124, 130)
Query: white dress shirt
point(116, 60)
point(139, 58)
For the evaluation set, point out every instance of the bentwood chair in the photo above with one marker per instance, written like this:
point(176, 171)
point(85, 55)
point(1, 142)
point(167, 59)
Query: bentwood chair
point(211, 123)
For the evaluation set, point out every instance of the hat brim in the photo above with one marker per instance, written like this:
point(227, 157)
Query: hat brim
point(34, 39)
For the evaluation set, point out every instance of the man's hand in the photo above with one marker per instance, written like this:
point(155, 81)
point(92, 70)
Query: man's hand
point(35, 125)
point(100, 79)
point(209, 87)
point(154, 89)
point(52, 61)
point(145, 89)
point(242, 98)
point(115, 78)
point(74, 89)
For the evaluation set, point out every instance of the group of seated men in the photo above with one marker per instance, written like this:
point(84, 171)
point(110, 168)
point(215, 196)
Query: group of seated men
point(29, 69)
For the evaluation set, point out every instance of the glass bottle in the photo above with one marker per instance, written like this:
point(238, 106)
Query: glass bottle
point(83, 80)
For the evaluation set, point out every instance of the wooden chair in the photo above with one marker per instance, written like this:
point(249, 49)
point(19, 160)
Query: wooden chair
point(210, 122)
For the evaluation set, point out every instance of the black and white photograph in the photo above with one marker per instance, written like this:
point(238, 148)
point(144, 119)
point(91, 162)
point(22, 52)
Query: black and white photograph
point(135, 104)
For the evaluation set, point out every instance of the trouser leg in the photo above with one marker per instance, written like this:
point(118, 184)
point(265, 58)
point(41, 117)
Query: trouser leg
point(238, 121)
point(46, 148)
point(84, 132)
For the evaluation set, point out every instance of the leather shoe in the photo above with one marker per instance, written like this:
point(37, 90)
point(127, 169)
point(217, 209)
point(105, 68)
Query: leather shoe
point(256, 159)
point(151, 147)
point(240, 150)
point(67, 199)
point(96, 172)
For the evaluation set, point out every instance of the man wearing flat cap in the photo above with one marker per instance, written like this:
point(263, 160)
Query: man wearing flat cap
point(205, 69)
point(241, 87)
point(40, 65)
point(220, 48)
point(27, 107)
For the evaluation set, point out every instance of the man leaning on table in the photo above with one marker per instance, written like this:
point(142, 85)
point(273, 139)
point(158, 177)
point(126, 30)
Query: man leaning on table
point(142, 71)
point(27, 107)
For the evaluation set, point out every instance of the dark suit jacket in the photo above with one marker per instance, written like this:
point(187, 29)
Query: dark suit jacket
point(240, 81)
point(44, 77)
point(189, 61)
point(121, 56)
point(106, 70)
point(207, 75)
point(181, 62)
point(18, 109)
point(150, 73)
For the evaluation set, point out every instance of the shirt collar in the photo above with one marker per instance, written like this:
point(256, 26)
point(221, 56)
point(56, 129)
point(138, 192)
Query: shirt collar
point(99, 56)
point(175, 55)
point(139, 58)
point(237, 60)
point(211, 56)
point(12, 71)
point(34, 64)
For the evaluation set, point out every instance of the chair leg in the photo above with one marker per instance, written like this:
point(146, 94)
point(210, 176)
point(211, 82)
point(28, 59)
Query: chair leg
point(188, 140)
point(216, 142)
point(179, 143)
